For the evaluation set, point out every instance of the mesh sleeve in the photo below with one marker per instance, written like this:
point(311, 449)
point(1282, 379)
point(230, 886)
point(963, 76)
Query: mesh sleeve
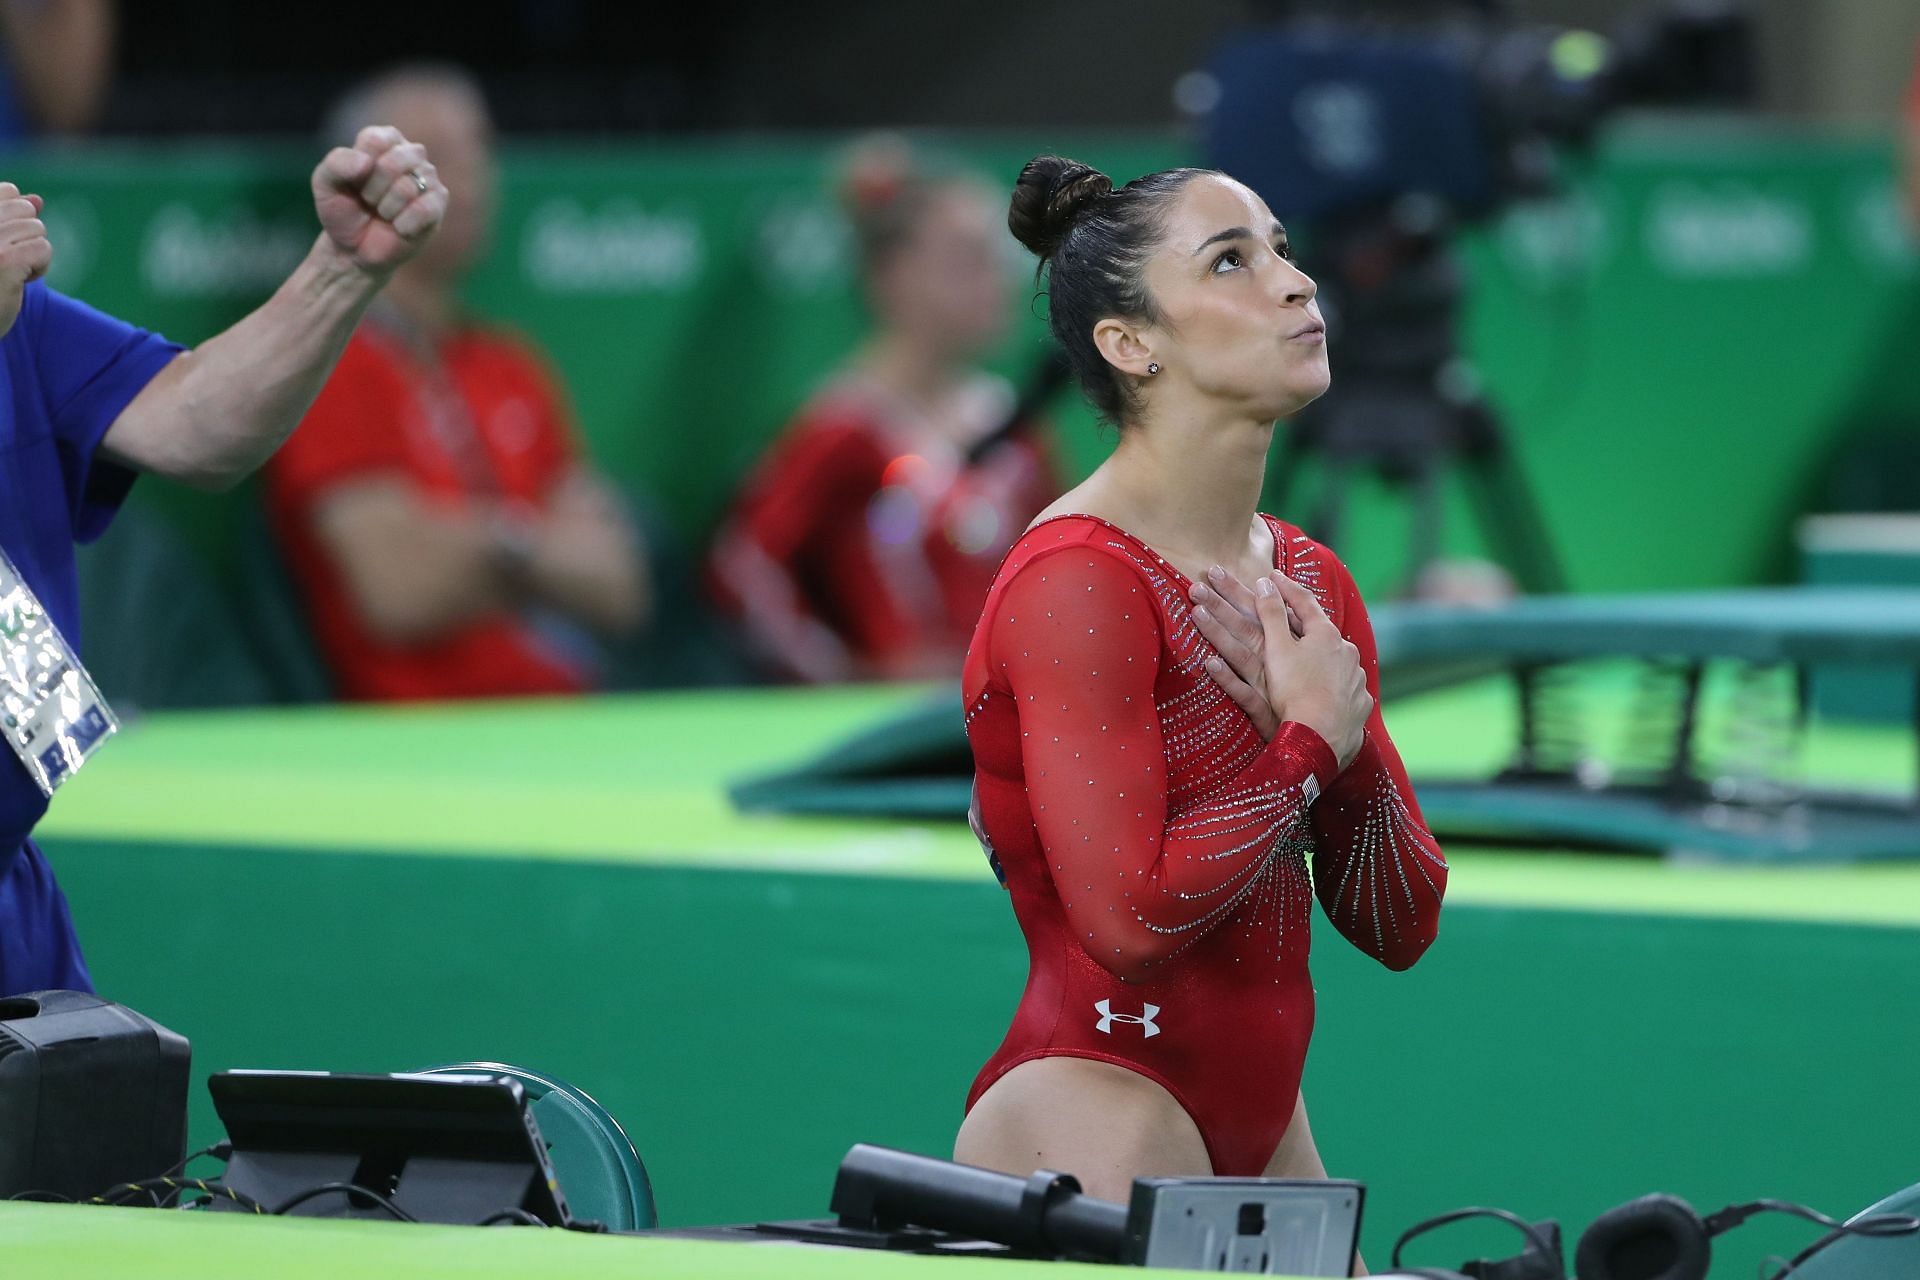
point(1377, 870)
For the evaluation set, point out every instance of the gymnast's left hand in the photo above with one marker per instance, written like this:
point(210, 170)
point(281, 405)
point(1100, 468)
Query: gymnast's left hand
point(378, 200)
point(1223, 609)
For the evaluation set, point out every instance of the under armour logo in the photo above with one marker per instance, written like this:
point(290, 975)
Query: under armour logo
point(1144, 1019)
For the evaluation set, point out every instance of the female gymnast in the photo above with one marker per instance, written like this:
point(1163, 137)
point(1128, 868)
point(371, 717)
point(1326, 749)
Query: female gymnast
point(1152, 813)
point(866, 539)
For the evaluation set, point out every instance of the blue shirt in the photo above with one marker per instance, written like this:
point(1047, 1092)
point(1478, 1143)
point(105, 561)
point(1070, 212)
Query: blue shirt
point(66, 373)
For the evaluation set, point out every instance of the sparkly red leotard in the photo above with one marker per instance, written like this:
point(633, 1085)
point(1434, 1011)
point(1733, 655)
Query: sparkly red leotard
point(1156, 849)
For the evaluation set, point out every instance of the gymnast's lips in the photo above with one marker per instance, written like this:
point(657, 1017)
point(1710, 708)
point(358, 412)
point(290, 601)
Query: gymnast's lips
point(1311, 331)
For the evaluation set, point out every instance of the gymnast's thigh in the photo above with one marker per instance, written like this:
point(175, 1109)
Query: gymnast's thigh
point(1099, 1121)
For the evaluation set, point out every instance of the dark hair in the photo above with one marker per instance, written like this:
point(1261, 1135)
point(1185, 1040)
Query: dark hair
point(1093, 241)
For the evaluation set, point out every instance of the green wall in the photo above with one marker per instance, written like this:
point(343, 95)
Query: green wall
point(748, 1026)
point(1677, 342)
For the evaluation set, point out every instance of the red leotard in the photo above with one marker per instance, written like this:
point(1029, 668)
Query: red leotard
point(863, 544)
point(1157, 850)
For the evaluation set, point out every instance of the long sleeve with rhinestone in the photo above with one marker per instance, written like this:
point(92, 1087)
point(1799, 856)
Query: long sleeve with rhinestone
point(1077, 639)
point(1378, 871)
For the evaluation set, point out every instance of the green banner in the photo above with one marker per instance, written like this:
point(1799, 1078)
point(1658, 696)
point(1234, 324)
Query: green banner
point(1676, 342)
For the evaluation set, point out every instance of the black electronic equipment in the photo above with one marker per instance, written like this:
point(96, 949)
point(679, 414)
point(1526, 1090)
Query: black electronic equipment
point(91, 1094)
point(1660, 1237)
point(898, 1201)
point(1376, 129)
point(450, 1149)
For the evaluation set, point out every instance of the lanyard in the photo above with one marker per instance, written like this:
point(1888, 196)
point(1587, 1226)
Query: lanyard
point(52, 714)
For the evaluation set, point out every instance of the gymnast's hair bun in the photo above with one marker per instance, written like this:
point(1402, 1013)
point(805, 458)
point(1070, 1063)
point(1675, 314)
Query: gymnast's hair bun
point(1051, 193)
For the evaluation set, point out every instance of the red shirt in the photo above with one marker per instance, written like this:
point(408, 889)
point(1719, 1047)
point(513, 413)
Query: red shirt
point(1913, 93)
point(1163, 860)
point(482, 423)
point(864, 545)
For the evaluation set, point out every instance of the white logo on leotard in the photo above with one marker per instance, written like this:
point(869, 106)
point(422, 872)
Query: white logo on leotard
point(1144, 1019)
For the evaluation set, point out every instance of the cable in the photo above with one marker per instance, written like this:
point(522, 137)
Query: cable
point(1533, 1233)
point(348, 1188)
point(520, 1216)
point(222, 1151)
point(1881, 1224)
point(152, 1186)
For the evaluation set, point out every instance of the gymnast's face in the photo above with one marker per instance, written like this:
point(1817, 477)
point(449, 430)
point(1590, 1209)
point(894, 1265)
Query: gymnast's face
point(947, 285)
point(1237, 321)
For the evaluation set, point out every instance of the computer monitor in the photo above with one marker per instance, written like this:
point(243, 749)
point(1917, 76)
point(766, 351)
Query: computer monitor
point(449, 1149)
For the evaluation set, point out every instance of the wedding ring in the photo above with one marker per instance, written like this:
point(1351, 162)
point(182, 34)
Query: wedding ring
point(418, 181)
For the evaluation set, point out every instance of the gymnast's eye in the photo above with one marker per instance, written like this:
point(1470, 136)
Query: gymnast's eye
point(1227, 256)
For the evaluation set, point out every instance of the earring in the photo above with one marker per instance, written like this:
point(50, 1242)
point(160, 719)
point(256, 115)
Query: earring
point(1152, 369)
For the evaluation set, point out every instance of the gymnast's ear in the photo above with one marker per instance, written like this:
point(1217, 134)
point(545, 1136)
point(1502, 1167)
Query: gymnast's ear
point(1123, 346)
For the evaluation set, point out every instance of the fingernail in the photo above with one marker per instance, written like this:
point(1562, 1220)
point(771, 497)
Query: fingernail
point(1200, 613)
point(1216, 573)
point(1264, 586)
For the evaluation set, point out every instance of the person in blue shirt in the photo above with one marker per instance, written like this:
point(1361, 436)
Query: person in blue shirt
point(87, 402)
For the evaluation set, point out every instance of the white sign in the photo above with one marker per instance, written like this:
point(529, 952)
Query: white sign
point(1727, 228)
point(805, 246)
point(1555, 238)
point(616, 247)
point(231, 253)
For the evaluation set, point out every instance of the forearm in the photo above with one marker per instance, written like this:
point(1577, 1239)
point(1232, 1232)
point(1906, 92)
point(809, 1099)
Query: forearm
point(1207, 855)
point(414, 572)
point(764, 594)
point(1378, 870)
point(596, 576)
point(219, 411)
point(451, 577)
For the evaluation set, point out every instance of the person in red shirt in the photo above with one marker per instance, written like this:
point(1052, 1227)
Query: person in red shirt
point(1164, 823)
point(863, 543)
point(1910, 145)
point(447, 535)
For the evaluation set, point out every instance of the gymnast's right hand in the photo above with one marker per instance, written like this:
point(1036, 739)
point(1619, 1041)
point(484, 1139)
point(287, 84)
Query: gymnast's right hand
point(1313, 677)
point(25, 252)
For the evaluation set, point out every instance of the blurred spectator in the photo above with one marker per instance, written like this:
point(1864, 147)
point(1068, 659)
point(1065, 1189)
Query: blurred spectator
point(865, 541)
point(59, 60)
point(447, 536)
point(1910, 150)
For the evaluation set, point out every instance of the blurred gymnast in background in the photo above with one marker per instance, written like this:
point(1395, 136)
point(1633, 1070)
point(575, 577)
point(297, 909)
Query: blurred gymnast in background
point(863, 543)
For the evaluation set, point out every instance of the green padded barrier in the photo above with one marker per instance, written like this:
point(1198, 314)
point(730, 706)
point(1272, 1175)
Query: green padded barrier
point(1764, 625)
point(1586, 1029)
point(600, 1172)
point(913, 764)
point(916, 763)
point(77, 1242)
